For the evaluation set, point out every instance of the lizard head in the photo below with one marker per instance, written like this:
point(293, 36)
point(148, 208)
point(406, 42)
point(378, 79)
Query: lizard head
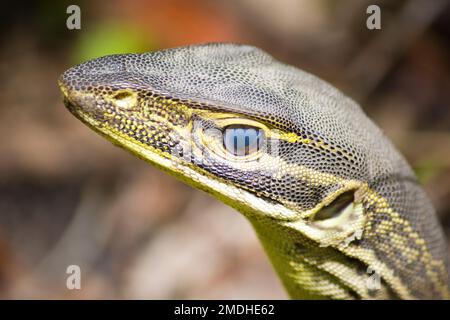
point(231, 116)
point(286, 149)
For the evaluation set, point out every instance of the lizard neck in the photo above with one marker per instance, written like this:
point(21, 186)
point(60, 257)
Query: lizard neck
point(309, 271)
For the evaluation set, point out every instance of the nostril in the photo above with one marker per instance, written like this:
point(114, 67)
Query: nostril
point(122, 95)
point(125, 98)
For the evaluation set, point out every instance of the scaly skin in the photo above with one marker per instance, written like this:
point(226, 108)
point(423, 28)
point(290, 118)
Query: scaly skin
point(337, 208)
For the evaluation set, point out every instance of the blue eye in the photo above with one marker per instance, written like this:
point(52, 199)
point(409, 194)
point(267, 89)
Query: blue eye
point(242, 140)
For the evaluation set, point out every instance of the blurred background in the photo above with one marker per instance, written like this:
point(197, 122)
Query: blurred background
point(69, 197)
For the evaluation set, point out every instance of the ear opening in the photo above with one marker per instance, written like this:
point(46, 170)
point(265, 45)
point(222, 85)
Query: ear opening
point(336, 208)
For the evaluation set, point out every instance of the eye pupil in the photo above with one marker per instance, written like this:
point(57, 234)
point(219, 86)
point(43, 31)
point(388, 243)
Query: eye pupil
point(242, 140)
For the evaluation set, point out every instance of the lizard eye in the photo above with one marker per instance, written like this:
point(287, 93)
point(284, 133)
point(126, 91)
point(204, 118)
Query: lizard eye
point(242, 140)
